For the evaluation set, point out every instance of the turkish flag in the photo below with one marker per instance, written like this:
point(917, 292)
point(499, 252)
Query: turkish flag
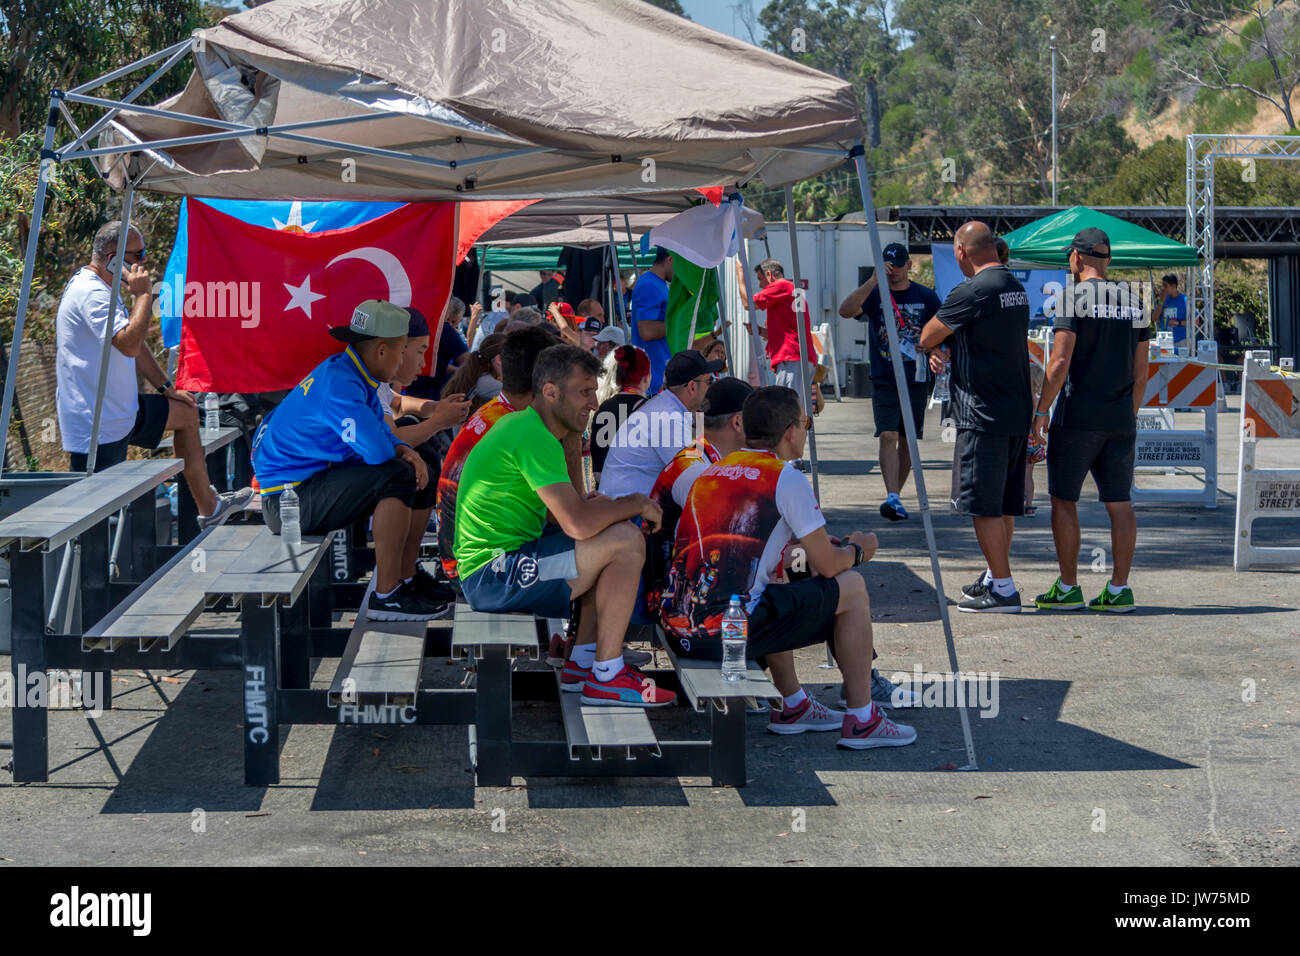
point(259, 303)
point(477, 218)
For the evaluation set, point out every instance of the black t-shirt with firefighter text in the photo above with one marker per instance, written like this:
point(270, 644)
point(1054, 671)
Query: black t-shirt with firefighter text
point(989, 316)
point(1108, 323)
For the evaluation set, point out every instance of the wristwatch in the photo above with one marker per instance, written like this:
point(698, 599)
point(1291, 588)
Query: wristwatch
point(857, 553)
point(163, 387)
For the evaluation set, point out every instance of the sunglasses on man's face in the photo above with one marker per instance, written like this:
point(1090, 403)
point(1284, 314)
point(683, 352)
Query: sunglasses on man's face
point(137, 254)
point(803, 421)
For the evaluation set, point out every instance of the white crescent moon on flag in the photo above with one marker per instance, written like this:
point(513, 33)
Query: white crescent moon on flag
point(399, 283)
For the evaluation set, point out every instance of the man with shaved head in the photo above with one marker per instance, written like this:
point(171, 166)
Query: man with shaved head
point(987, 318)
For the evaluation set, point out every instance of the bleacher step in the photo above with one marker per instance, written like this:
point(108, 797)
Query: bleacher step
point(599, 728)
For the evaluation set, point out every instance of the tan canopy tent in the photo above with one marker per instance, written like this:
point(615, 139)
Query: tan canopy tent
point(501, 99)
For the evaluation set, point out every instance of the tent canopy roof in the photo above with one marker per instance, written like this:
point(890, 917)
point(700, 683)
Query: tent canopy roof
point(1046, 242)
point(554, 98)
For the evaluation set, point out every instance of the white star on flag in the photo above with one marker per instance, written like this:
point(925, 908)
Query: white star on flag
point(294, 223)
point(301, 297)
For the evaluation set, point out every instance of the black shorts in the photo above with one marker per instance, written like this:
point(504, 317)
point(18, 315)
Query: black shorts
point(147, 432)
point(341, 496)
point(888, 410)
point(989, 474)
point(1108, 456)
point(787, 617)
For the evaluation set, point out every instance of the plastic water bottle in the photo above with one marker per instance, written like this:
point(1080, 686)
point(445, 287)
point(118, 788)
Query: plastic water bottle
point(941, 390)
point(290, 524)
point(735, 637)
point(211, 412)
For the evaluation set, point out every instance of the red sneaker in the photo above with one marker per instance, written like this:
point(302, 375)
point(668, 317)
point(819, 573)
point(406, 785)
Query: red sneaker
point(627, 688)
point(572, 677)
point(879, 731)
point(810, 715)
point(560, 649)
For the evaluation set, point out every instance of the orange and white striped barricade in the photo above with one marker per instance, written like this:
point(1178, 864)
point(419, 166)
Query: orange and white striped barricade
point(1179, 383)
point(1270, 409)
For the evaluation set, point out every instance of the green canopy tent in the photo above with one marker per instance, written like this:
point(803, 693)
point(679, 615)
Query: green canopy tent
point(1045, 242)
point(532, 258)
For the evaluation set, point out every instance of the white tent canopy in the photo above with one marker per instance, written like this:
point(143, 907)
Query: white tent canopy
point(477, 98)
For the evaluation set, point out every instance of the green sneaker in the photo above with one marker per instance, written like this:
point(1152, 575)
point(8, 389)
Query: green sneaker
point(1120, 603)
point(1060, 598)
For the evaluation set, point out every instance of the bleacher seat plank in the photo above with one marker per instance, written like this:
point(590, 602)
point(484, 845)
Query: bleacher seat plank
point(476, 629)
point(212, 441)
point(162, 608)
point(701, 681)
point(383, 660)
point(267, 568)
point(597, 728)
point(61, 516)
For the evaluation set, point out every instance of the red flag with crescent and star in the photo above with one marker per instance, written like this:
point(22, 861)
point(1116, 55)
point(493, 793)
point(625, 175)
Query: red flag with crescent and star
point(259, 302)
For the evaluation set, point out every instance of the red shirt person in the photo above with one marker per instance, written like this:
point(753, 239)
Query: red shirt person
point(777, 298)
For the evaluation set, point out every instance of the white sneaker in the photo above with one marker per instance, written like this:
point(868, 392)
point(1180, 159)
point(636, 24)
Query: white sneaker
point(812, 714)
point(880, 731)
point(228, 503)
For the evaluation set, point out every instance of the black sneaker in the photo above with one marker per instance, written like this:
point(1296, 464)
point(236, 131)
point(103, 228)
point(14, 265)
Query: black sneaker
point(894, 512)
point(976, 589)
point(430, 588)
point(405, 604)
point(989, 601)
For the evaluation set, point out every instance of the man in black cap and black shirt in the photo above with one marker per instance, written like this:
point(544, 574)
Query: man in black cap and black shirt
point(1099, 367)
point(987, 317)
point(914, 304)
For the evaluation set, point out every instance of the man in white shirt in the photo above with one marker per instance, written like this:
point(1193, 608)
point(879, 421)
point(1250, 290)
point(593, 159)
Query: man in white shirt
point(128, 418)
point(740, 516)
point(658, 429)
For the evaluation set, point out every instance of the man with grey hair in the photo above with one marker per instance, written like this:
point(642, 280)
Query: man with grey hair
point(128, 418)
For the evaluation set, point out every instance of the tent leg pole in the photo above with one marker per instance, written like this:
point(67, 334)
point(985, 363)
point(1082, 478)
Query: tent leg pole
point(800, 318)
point(722, 321)
point(115, 296)
point(631, 246)
point(29, 270)
point(755, 343)
point(613, 255)
point(909, 428)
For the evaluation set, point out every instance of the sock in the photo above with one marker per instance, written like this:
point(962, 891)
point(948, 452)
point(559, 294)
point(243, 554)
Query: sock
point(893, 498)
point(584, 655)
point(795, 699)
point(388, 595)
point(1065, 586)
point(863, 715)
point(408, 580)
point(608, 670)
point(988, 577)
point(1115, 590)
point(1004, 587)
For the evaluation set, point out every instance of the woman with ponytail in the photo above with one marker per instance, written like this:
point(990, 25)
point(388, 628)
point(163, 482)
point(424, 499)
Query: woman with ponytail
point(479, 379)
point(630, 368)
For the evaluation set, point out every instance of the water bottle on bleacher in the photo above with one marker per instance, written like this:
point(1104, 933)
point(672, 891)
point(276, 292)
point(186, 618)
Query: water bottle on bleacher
point(290, 523)
point(211, 413)
point(735, 637)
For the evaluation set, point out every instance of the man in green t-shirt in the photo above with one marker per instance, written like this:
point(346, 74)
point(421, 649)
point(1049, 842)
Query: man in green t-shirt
point(509, 560)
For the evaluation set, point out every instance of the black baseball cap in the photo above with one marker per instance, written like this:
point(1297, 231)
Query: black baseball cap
point(896, 254)
point(687, 366)
point(1091, 242)
point(591, 324)
point(726, 396)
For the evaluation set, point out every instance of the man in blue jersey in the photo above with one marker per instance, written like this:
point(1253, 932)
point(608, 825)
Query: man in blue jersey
point(649, 315)
point(328, 441)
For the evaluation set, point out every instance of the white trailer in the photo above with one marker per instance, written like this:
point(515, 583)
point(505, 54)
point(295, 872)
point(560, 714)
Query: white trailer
point(832, 256)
